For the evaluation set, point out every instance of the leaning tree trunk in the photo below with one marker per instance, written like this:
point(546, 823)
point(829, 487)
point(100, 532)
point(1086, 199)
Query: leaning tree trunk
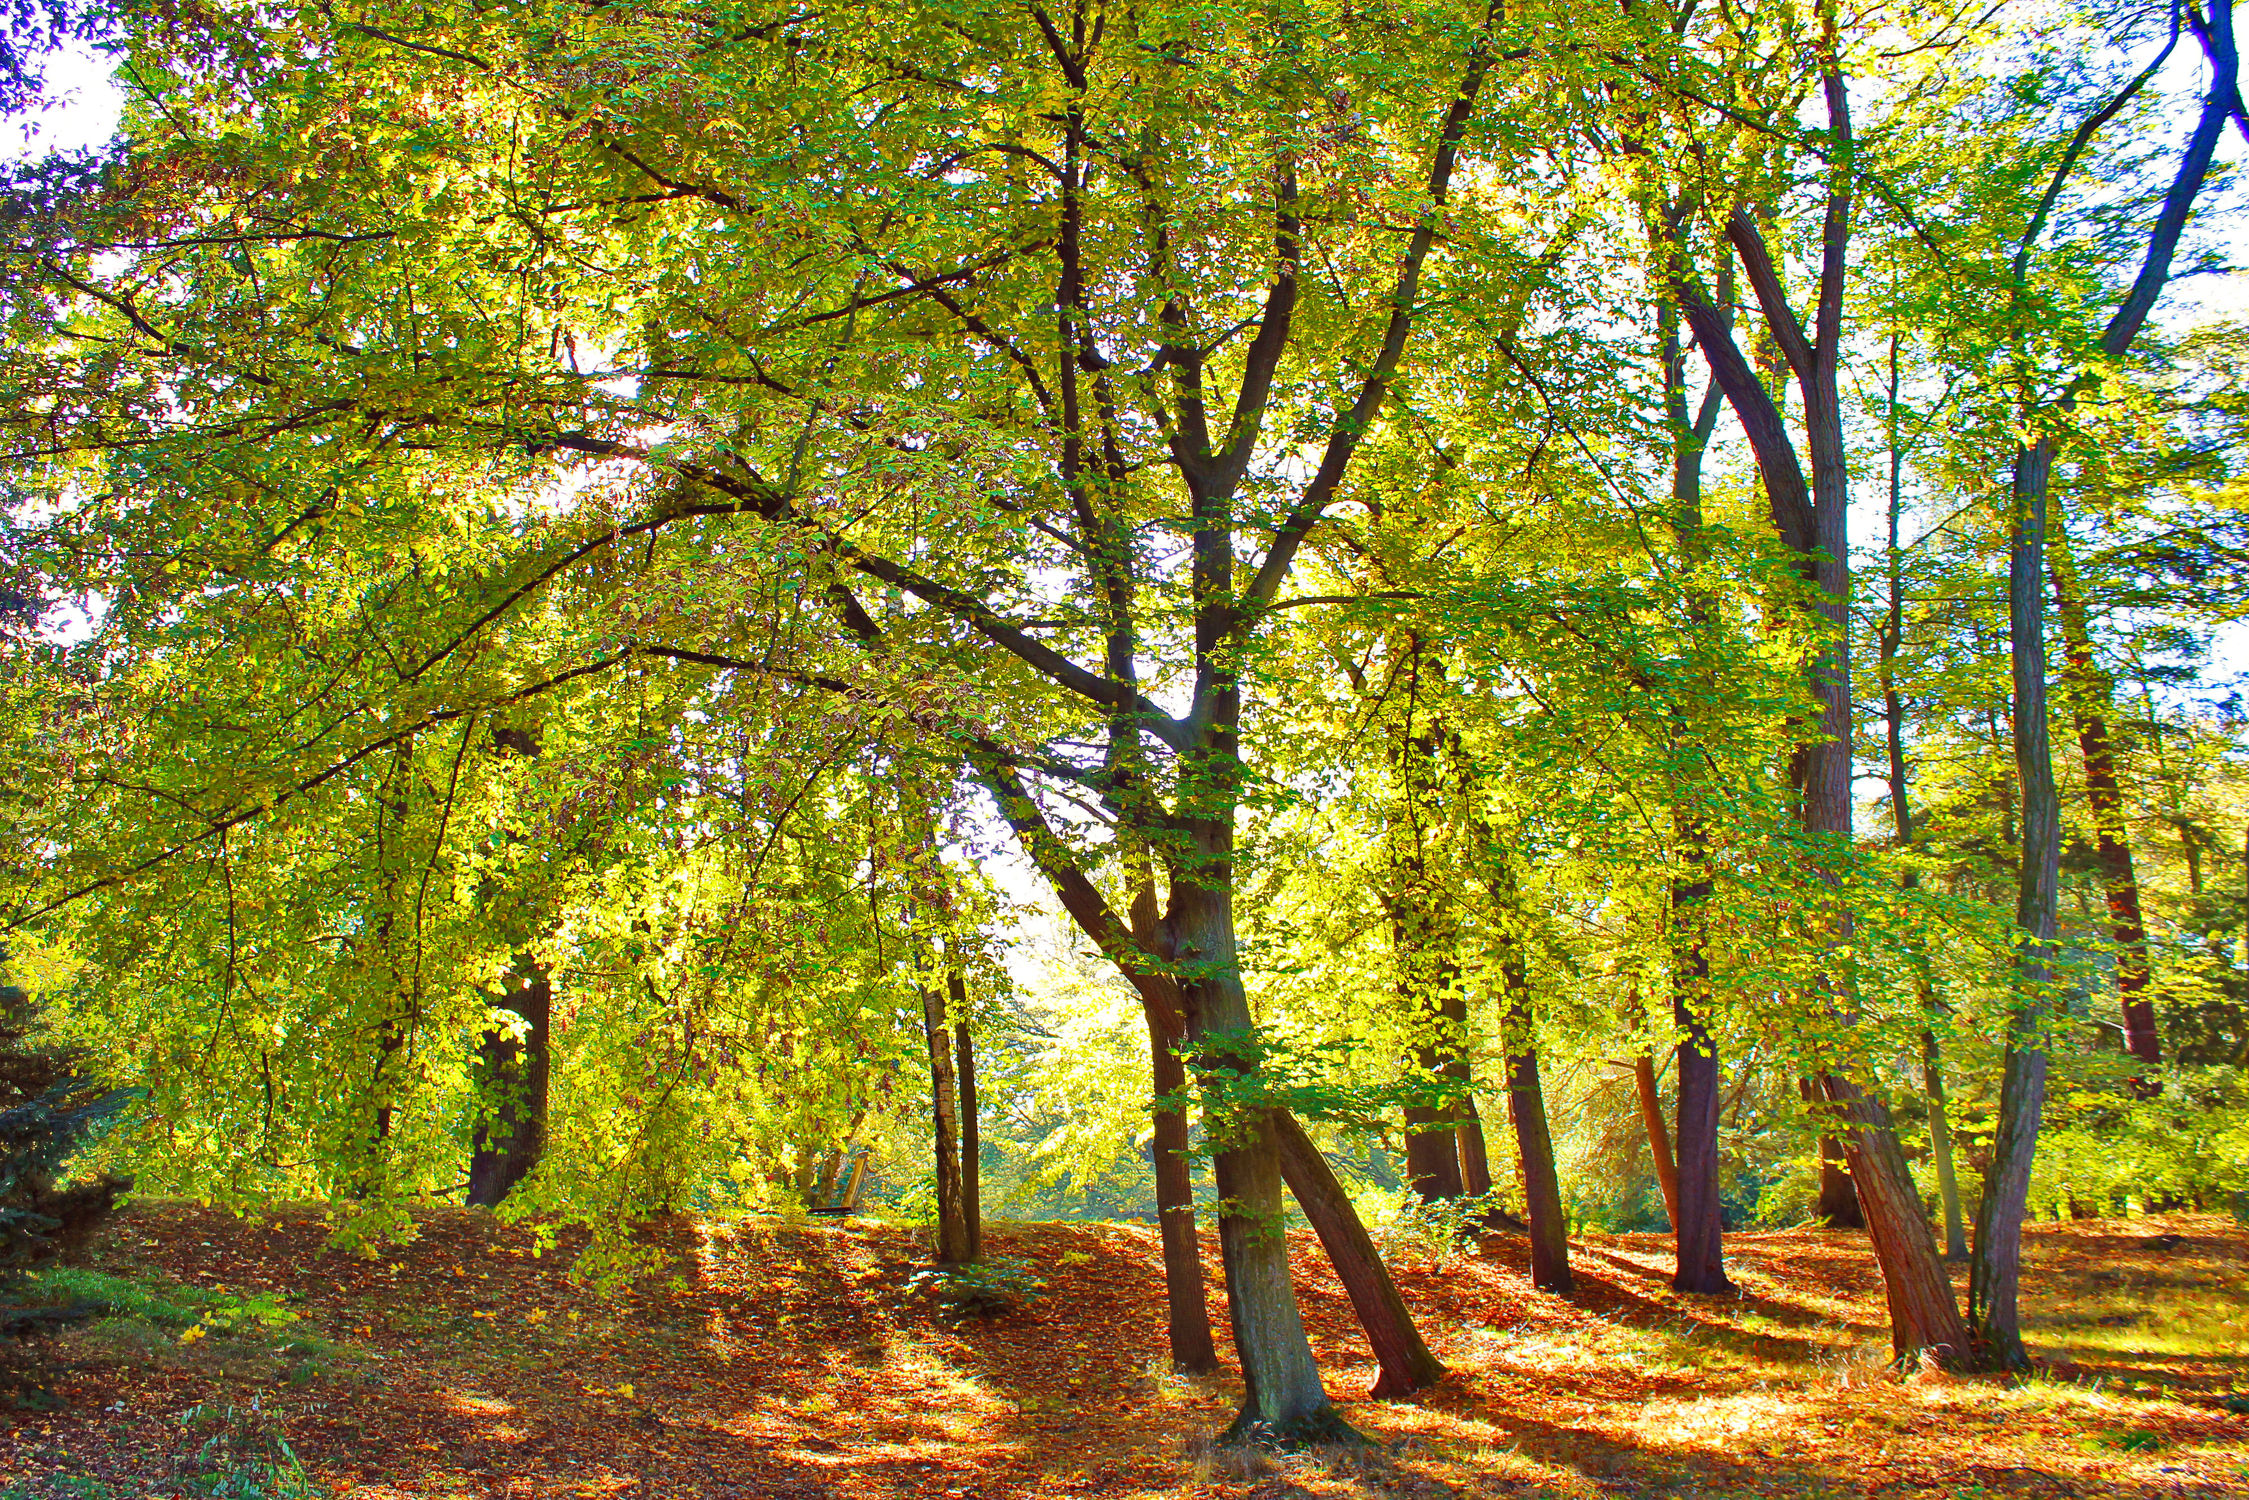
point(511, 1127)
point(1406, 1363)
point(944, 1118)
point(1659, 1134)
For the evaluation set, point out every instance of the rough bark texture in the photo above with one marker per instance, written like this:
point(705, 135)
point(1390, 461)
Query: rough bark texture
point(1659, 1135)
point(1187, 1303)
point(1406, 1363)
point(1924, 1316)
point(512, 1075)
point(972, 1136)
point(1838, 1204)
point(944, 1116)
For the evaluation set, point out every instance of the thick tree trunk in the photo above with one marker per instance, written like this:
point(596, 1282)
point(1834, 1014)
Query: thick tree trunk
point(1700, 1226)
point(1923, 1312)
point(1192, 1352)
point(511, 1127)
point(944, 1119)
point(1407, 1365)
point(2087, 690)
point(1282, 1398)
point(972, 1137)
point(1659, 1135)
point(1534, 1141)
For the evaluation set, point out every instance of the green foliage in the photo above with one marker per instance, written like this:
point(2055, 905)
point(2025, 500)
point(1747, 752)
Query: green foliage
point(989, 1288)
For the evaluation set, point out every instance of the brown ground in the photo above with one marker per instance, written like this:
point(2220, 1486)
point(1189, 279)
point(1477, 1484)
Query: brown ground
point(768, 1360)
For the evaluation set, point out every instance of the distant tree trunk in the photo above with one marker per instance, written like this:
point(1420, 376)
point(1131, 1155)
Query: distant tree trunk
point(1475, 1158)
point(1659, 1134)
point(1837, 1206)
point(1534, 1142)
point(1433, 1131)
point(944, 1111)
point(1940, 1146)
point(511, 1127)
point(2086, 688)
point(972, 1140)
point(1407, 1365)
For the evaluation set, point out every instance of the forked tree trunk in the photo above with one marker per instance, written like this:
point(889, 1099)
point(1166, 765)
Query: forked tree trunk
point(1433, 1131)
point(1659, 1134)
point(1406, 1363)
point(972, 1138)
point(511, 1128)
point(1838, 1203)
point(944, 1118)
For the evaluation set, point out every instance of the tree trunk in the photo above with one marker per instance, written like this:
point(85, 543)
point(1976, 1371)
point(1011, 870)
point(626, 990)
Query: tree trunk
point(944, 1116)
point(1192, 1352)
point(1433, 1131)
point(1699, 1235)
point(1838, 1205)
point(1534, 1142)
point(1940, 1146)
point(1995, 1273)
point(972, 1139)
point(2087, 690)
point(1659, 1135)
point(1407, 1365)
point(1282, 1398)
point(1475, 1158)
point(1923, 1312)
point(511, 1128)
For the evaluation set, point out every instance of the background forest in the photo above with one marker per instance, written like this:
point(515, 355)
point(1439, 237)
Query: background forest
point(1435, 616)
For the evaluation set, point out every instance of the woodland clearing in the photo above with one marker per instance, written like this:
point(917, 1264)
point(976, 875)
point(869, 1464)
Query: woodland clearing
point(763, 1358)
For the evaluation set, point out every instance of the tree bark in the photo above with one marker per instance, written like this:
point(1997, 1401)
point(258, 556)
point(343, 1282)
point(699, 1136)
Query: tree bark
point(1475, 1157)
point(1282, 1397)
point(1924, 1316)
point(1534, 1142)
point(1700, 1225)
point(511, 1128)
point(2086, 688)
point(1995, 1272)
point(944, 1117)
point(1659, 1134)
point(1406, 1363)
point(972, 1139)
point(1940, 1146)
point(1187, 1304)
point(1838, 1204)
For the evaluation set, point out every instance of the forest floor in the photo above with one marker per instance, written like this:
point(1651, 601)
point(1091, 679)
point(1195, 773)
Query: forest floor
point(789, 1361)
